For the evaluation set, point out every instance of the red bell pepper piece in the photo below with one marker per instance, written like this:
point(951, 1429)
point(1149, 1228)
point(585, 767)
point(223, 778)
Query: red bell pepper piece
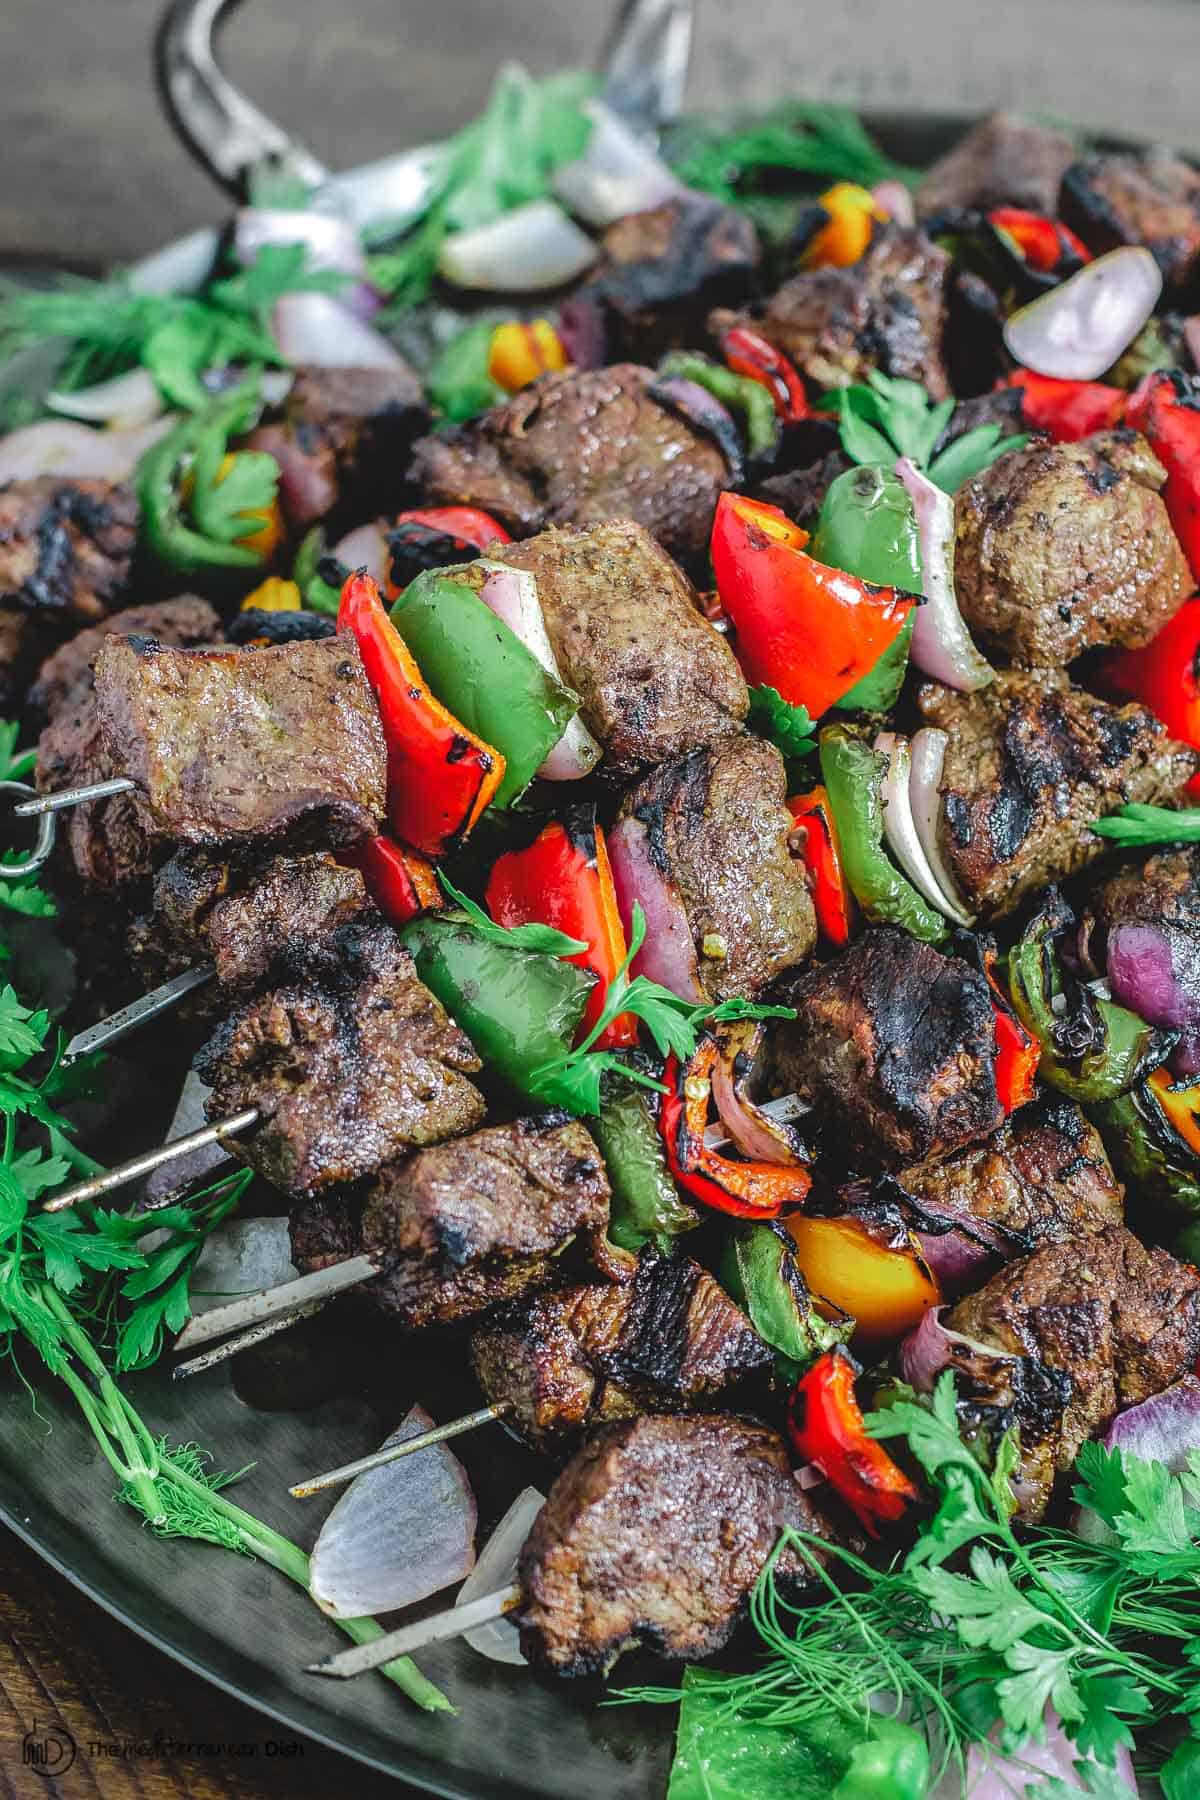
point(1043, 242)
point(432, 537)
point(826, 1426)
point(1068, 410)
point(473, 527)
point(748, 1190)
point(400, 881)
point(1017, 1054)
point(440, 775)
point(1165, 408)
point(563, 879)
point(808, 631)
point(746, 353)
point(815, 841)
point(1164, 675)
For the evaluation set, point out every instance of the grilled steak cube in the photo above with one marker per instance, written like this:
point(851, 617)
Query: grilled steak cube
point(251, 923)
point(106, 846)
point(717, 829)
point(1042, 1179)
point(348, 1070)
point(1030, 763)
point(478, 1221)
point(894, 1046)
point(800, 493)
point(575, 449)
point(655, 1533)
point(568, 1361)
point(1152, 199)
point(1109, 1322)
point(343, 441)
point(282, 745)
point(1003, 161)
point(65, 546)
point(184, 624)
point(887, 311)
point(662, 270)
point(655, 679)
point(1063, 547)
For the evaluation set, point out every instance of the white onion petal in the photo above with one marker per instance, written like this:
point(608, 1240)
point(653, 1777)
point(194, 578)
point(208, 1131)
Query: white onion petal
point(512, 595)
point(319, 332)
point(927, 753)
point(366, 547)
point(77, 452)
point(1081, 327)
point(126, 400)
point(398, 1534)
point(668, 955)
point(330, 242)
point(942, 647)
point(901, 831)
point(617, 174)
point(499, 1640)
point(533, 247)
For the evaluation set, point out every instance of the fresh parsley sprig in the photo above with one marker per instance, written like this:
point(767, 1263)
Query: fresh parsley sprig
point(889, 417)
point(788, 727)
point(1135, 826)
point(827, 143)
point(517, 937)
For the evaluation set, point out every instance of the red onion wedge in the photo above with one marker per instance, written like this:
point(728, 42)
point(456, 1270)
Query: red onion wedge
point(756, 1133)
point(398, 1534)
point(668, 955)
point(942, 647)
point(319, 332)
point(1163, 1429)
point(366, 547)
point(1154, 970)
point(956, 1261)
point(900, 828)
point(531, 248)
point(703, 410)
point(617, 174)
point(927, 753)
point(75, 451)
point(1191, 338)
point(1081, 327)
point(307, 484)
point(993, 1775)
point(512, 595)
point(125, 401)
point(931, 1347)
point(499, 1639)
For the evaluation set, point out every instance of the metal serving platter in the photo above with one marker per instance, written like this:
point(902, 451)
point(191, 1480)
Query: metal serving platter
point(307, 1401)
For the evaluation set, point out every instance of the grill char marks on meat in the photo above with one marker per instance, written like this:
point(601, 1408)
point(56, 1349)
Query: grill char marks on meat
point(348, 1071)
point(1004, 160)
point(1153, 199)
point(1030, 763)
point(718, 830)
point(253, 922)
point(894, 1047)
point(887, 311)
point(578, 448)
point(1064, 547)
point(343, 441)
point(184, 624)
point(471, 1223)
point(1042, 1179)
point(655, 679)
point(1108, 1322)
point(275, 746)
point(662, 270)
point(655, 1533)
point(65, 546)
point(568, 1361)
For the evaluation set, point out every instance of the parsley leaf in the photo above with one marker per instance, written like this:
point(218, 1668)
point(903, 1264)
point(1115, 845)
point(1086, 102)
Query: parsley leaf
point(828, 143)
point(786, 726)
point(22, 1031)
point(1134, 825)
point(890, 417)
point(224, 502)
point(518, 937)
point(971, 453)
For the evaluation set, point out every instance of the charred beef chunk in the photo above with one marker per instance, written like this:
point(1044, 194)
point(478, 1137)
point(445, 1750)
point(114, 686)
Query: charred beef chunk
point(894, 1046)
point(252, 923)
point(655, 1533)
point(104, 846)
point(800, 493)
point(470, 1223)
point(282, 745)
point(717, 830)
point(65, 546)
point(568, 1361)
point(1030, 763)
point(1164, 890)
point(184, 624)
point(1102, 1321)
point(348, 1071)
point(1064, 547)
point(576, 449)
point(661, 272)
point(887, 311)
point(1002, 407)
point(656, 680)
point(1003, 161)
point(1153, 199)
point(1042, 1179)
point(343, 441)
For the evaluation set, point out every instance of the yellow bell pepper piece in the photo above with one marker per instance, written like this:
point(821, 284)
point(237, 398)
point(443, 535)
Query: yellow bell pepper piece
point(886, 1291)
point(273, 595)
point(1181, 1105)
point(852, 214)
point(519, 353)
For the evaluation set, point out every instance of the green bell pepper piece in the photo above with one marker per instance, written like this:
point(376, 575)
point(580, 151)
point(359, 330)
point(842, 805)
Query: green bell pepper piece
point(853, 776)
point(483, 673)
point(759, 1272)
point(316, 594)
point(1094, 1050)
point(196, 446)
point(458, 382)
point(740, 393)
point(890, 1763)
point(1152, 1160)
point(520, 1008)
point(646, 1206)
point(867, 526)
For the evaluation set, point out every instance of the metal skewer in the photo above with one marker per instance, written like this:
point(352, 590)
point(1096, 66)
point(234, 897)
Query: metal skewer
point(77, 796)
point(257, 1334)
point(269, 1303)
point(380, 1458)
point(106, 1183)
point(409, 1638)
point(139, 1012)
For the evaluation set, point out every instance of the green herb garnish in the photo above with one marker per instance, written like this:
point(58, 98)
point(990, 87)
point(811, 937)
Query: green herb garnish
point(828, 143)
point(786, 726)
point(1135, 825)
point(518, 937)
point(890, 417)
